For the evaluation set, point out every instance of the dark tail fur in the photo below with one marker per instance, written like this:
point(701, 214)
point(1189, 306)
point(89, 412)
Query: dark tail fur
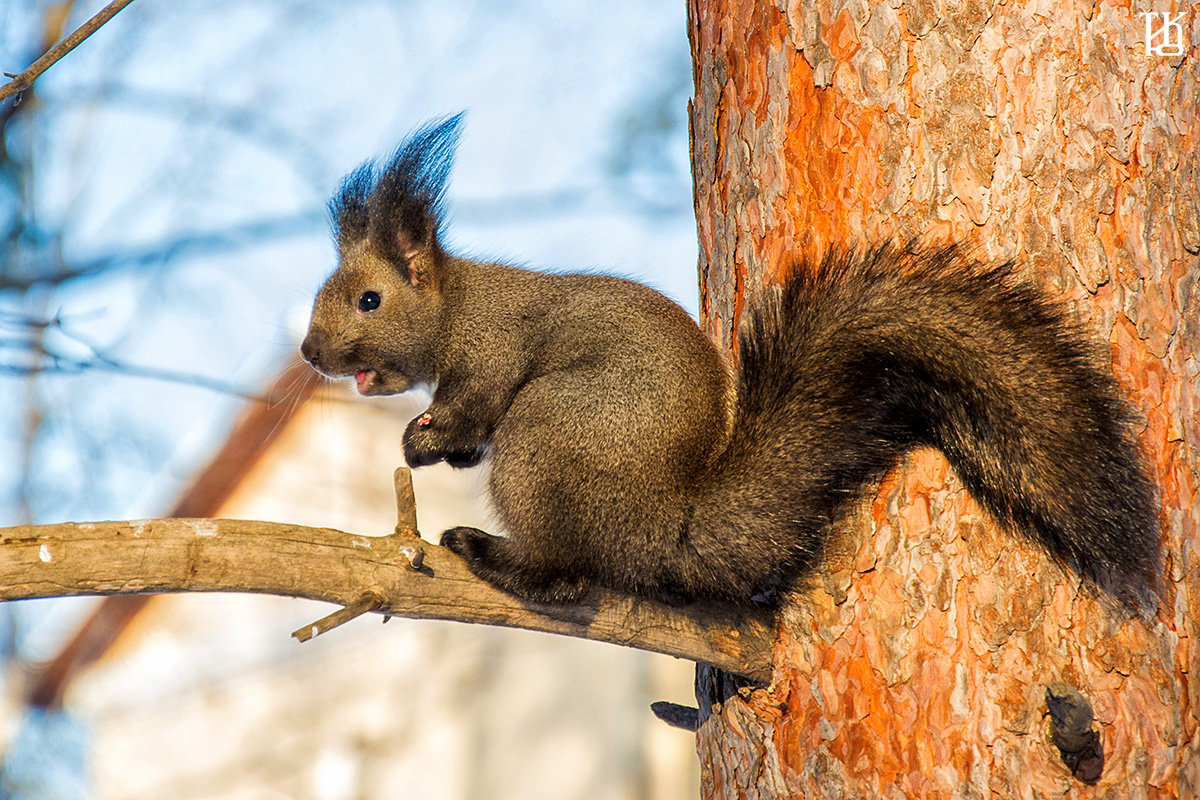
point(860, 359)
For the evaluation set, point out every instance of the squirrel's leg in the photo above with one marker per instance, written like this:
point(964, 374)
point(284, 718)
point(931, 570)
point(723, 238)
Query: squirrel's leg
point(496, 560)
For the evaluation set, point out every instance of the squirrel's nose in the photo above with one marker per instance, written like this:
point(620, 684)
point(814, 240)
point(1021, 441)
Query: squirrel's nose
point(310, 349)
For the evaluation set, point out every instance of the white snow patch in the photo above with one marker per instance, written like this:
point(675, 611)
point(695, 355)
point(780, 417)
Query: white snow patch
point(204, 527)
point(359, 541)
point(44, 554)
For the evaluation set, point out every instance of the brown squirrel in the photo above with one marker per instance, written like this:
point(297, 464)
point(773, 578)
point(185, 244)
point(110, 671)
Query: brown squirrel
point(626, 454)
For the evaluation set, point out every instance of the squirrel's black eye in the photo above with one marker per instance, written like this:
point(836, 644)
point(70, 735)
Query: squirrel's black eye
point(369, 301)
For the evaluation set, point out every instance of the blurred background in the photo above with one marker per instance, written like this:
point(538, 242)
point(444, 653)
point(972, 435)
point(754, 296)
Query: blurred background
point(162, 234)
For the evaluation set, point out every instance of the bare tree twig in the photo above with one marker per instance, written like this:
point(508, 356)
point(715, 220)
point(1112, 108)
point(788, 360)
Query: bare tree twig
point(64, 365)
point(25, 79)
point(339, 617)
point(222, 555)
point(45, 359)
point(250, 233)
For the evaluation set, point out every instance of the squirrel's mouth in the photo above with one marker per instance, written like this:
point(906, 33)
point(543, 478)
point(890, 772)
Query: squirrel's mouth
point(378, 382)
point(365, 378)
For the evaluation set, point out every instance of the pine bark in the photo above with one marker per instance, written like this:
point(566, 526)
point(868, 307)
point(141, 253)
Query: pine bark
point(1039, 132)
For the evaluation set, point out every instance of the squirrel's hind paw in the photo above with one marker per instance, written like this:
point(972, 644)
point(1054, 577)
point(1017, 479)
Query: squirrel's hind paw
point(498, 561)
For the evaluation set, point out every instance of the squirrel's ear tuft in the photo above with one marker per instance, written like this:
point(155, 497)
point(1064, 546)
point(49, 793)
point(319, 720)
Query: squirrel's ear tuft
point(348, 207)
point(405, 207)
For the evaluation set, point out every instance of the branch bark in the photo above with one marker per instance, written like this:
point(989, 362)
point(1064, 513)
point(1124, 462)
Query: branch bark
point(224, 555)
point(25, 79)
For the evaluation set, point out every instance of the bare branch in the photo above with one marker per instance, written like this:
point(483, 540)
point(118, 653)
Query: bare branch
point(45, 359)
point(222, 555)
point(62, 365)
point(244, 234)
point(339, 617)
point(25, 79)
point(397, 575)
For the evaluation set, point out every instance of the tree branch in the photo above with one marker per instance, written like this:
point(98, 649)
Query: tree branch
point(25, 79)
point(255, 232)
point(223, 555)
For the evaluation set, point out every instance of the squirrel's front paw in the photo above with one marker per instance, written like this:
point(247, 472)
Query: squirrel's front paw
point(420, 454)
point(419, 448)
point(428, 441)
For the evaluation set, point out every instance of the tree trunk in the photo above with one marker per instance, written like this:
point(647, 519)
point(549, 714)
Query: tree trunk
point(1041, 132)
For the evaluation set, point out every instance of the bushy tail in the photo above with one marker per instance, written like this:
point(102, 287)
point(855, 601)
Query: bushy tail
point(862, 358)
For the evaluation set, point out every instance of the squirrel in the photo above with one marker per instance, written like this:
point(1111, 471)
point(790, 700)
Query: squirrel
point(625, 453)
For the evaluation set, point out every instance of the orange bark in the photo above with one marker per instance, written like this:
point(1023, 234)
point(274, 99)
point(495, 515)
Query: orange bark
point(1042, 133)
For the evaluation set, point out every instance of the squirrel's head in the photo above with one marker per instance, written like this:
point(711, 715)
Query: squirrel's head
point(378, 317)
